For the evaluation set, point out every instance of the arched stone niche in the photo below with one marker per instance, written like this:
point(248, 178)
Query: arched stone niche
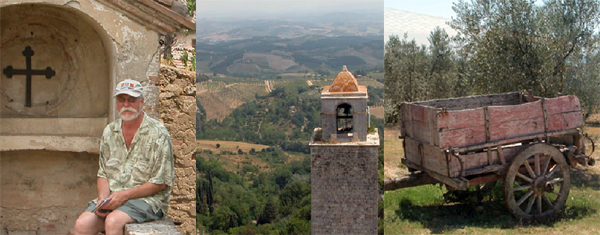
point(50, 150)
point(62, 39)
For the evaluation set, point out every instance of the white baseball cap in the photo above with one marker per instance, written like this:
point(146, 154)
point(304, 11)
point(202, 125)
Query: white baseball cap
point(129, 87)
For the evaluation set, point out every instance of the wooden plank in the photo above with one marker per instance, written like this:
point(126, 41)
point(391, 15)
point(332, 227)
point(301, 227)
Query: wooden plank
point(411, 150)
point(476, 163)
point(473, 101)
point(434, 138)
point(418, 112)
point(434, 159)
point(513, 140)
point(461, 118)
point(563, 104)
point(507, 130)
point(564, 121)
point(500, 114)
point(462, 137)
point(420, 131)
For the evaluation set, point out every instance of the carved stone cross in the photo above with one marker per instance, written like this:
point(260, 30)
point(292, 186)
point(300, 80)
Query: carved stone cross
point(9, 71)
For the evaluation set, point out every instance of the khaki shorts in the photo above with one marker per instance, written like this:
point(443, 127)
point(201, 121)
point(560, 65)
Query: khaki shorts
point(137, 209)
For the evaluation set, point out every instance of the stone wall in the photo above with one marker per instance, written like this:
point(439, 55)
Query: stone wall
point(344, 187)
point(43, 192)
point(177, 110)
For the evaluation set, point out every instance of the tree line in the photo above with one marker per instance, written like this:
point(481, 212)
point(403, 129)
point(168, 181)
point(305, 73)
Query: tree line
point(500, 46)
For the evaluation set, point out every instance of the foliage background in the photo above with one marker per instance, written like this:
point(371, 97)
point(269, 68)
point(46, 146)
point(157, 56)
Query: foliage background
point(501, 46)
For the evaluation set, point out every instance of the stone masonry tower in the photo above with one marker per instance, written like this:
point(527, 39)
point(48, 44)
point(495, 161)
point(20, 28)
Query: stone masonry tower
point(344, 162)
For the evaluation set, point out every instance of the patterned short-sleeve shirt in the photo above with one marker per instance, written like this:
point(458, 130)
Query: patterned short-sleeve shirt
point(148, 159)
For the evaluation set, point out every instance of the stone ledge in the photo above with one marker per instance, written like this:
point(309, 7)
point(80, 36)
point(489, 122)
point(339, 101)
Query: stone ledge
point(51, 143)
point(159, 227)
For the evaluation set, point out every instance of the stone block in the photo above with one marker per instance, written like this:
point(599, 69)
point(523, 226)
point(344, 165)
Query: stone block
point(164, 226)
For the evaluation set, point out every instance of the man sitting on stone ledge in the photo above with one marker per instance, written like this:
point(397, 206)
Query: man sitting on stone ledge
point(136, 168)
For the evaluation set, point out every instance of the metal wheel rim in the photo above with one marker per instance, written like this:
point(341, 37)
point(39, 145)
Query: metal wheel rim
point(539, 188)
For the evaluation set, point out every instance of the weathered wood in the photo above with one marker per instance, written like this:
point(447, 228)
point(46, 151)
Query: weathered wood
point(471, 125)
point(473, 101)
point(427, 156)
point(461, 118)
point(406, 181)
point(462, 137)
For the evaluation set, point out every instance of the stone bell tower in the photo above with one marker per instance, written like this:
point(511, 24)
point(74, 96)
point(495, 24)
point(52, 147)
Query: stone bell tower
point(344, 162)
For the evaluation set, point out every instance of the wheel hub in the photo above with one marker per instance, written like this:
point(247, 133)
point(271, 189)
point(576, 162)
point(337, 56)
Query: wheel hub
point(542, 185)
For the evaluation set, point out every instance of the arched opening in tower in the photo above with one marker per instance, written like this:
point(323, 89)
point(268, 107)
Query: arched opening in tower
point(344, 118)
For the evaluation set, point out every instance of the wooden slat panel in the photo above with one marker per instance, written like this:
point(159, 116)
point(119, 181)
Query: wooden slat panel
point(564, 121)
point(500, 114)
point(461, 118)
point(420, 131)
point(411, 150)
point(434, 158)
point(462, 137)
point(563, 104)
point(506, 130)
point(418, 112)
point(479, 160)
point(473, 101)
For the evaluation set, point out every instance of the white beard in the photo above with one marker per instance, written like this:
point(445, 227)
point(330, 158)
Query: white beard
point(133, 116)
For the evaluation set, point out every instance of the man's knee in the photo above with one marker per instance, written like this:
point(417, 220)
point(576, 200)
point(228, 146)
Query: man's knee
point(116, 220)
point(87, 223)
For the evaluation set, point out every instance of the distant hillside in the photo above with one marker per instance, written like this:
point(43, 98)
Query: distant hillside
point(333, 24)
point(306, 54)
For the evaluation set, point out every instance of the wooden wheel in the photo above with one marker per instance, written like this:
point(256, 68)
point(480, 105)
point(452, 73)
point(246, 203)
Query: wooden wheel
point(537, 183)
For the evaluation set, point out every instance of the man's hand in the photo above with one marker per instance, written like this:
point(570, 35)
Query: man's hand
point(102, 213)
point(118, 199)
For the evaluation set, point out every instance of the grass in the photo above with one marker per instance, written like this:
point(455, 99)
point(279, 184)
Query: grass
point(422, 209)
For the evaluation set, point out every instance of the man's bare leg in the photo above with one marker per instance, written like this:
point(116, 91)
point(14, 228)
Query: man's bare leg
point(115, 222)
point(88, 224)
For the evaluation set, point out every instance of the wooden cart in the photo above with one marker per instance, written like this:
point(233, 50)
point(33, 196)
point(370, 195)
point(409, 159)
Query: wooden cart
point(529, 142)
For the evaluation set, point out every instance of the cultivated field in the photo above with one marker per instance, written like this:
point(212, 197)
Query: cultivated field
point(422, 210)
point(232, 162)
point(219, 99)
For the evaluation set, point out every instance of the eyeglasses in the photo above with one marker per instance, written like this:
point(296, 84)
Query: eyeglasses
point(122, 99)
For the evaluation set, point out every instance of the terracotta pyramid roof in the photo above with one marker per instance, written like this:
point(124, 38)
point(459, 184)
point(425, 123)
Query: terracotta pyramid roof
point(344, 82)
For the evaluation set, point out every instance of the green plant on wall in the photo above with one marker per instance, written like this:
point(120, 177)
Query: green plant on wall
point(193, 61)
point(184, 58)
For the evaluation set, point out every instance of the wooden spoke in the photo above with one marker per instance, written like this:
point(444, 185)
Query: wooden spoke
point(547, 199)
point(546, 164)
point(539, 203)
point(531, 173)
point(524, 198)
point(530, 204)
point(524, 177)
point(556, 180)
point(552, 170)
point(536, 162)
point(522, 187)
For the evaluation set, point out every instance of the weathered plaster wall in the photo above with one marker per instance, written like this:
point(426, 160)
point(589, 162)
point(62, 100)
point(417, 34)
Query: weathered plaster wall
point(132, 49)
point(178, 113)
point(69, 46)
point(344, 187)
point(45, 191)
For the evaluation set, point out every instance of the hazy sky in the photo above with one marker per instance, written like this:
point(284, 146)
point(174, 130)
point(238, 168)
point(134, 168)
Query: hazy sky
point(440, 8)
point(244, 8)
